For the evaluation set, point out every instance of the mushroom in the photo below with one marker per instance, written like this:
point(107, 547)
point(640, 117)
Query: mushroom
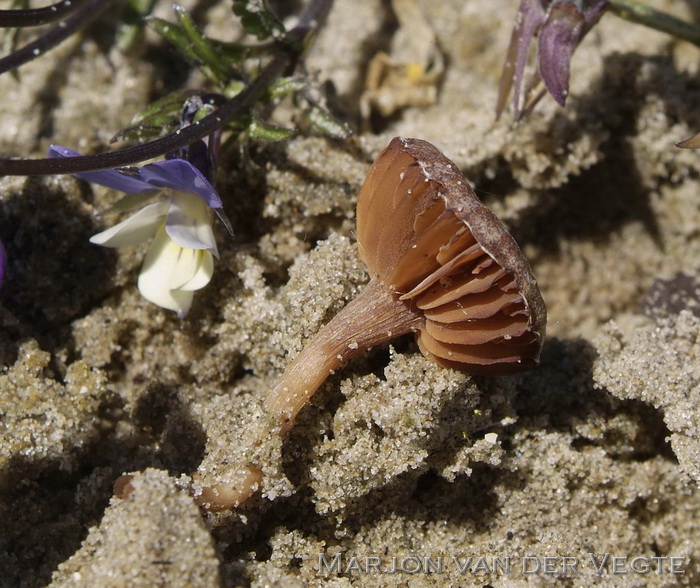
point(441, 265)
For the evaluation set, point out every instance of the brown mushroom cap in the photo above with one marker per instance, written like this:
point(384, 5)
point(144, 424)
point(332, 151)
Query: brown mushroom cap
point(425, 235)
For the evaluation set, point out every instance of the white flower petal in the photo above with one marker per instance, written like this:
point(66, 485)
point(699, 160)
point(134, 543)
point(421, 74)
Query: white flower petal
point(156, 275)
point(204, 273)
point(189, 222)
point(170, 274)
point(184, 267)
point(139, 227)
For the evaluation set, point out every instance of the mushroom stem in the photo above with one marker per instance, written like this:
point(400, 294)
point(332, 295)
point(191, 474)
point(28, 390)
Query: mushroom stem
point(374, 316)
point(224, 496)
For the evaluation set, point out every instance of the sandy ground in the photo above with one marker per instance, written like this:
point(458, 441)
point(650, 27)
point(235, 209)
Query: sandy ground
point(398, 471)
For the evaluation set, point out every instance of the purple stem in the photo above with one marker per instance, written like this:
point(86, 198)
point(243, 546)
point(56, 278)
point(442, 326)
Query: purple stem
point(56, 35)
point(35, 17)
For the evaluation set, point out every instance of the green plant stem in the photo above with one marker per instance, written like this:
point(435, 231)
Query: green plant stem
point(654, 19)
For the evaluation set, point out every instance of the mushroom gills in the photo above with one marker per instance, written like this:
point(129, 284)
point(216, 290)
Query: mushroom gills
point(475, 316)
point(480, 331)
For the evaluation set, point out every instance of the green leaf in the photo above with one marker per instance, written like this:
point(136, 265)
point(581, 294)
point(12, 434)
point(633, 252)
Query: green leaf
point(194, 52)
point(233, 88)
point(130, 30)
point(323, 121)
point(143, 132)
point(285, 86)
point(202, 47)
point(232, 53)
point(258, 18)
point(168, 104)
point(259, 130)
point(176, 36)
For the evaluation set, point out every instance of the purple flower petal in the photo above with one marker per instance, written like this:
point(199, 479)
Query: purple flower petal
point(109, 177)
point(565, 26)
point(560, 25)
point(560, 35)
point(188, 223)
point(181, 175)
point(531, 15)
point(690, 143)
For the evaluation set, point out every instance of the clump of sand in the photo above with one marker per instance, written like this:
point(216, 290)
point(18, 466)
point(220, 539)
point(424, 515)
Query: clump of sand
point(658, 364)
point(161, 530)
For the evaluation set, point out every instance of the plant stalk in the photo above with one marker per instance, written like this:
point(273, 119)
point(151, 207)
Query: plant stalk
point(655, 19)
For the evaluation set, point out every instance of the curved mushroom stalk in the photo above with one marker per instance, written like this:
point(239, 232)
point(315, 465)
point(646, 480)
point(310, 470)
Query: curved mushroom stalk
point(374, 317)
point(224, 496)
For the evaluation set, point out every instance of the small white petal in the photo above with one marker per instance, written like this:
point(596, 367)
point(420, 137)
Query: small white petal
point(156, 275)
point(170, 274)
point(184, 267)
point(204, 273)
point(137, 228)
point(189, 222)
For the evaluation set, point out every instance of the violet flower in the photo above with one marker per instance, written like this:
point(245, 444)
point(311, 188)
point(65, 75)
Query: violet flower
point(559, 25)
point(180, 258)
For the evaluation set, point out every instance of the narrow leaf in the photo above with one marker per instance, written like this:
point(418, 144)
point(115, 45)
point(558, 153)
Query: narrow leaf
point(260, 130)
point(170, 103)
point(285, 86)
point(130, 30)
point(176, 36)
point(201, 46)
point(326, 123)
point(258, 18)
